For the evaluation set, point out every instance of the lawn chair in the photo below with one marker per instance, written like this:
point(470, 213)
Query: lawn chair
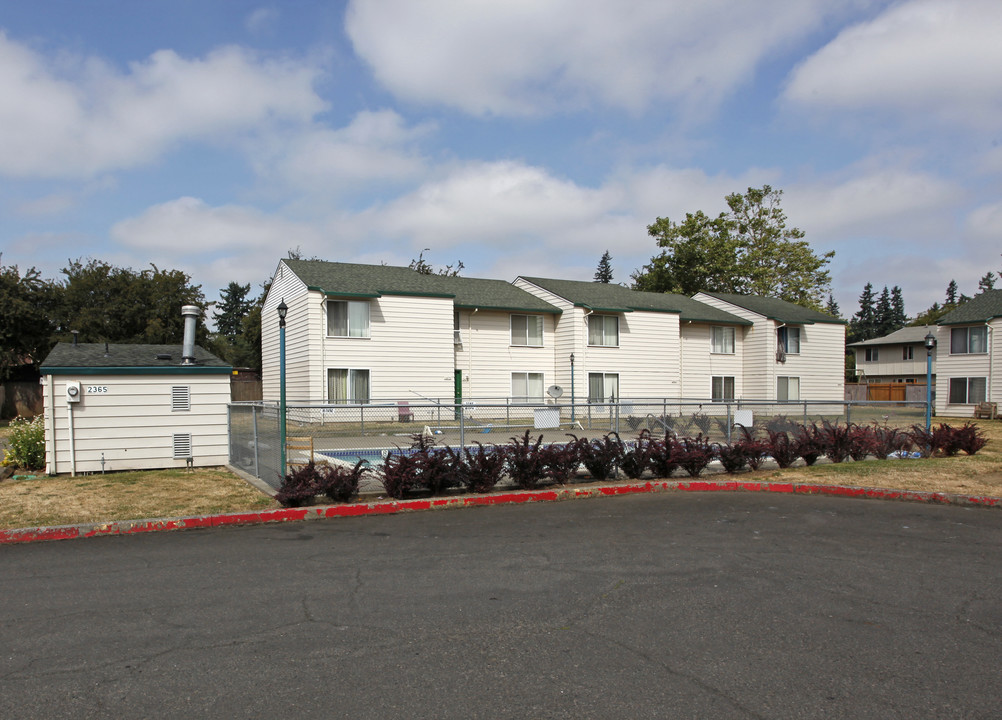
point(986, 411)
point(404, 412)
point(298, 451)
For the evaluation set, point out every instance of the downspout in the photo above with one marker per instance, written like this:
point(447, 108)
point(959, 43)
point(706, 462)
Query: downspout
point(51, 470)
point(73, 452)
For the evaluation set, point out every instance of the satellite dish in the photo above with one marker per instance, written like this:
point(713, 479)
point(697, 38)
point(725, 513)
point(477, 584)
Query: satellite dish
point(554, 391)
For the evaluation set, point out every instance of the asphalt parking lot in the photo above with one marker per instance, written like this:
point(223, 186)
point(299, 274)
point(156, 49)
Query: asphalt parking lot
point(667, 605)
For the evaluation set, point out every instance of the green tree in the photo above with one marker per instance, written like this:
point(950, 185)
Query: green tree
point(863, 325)
point(884, 314)
point(832, 308)
point(25, 328)
point(951, 293)
point(603, 273)
point(425, 268)
point(231, 310)
point(987, 282)
point(898, 316)
point(749, 249)
point(108, 303)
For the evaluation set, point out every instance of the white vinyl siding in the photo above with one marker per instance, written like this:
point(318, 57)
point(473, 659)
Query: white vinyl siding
point(968, 390)
point(787, 388)
point(121, 425)
point(348, 385)
point(527, 387)
point(527, 330)
point(722, 387)
point(603, 330)
point(968, 340)
point(722, 340)
point(348, 318)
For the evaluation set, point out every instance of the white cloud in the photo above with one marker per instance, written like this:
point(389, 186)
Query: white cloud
point(61, 122)
point(261, 20)
point(922, 58)
point(531, 56)
point(375, 146)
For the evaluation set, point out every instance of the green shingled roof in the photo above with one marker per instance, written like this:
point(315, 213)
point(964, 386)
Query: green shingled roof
point(979, 309)
point(776, 309)
point(607, 297)
point(122, 359)
point(356, 280)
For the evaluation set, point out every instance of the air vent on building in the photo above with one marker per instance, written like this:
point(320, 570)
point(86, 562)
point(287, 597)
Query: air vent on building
point(182, 445)
point(180, 398)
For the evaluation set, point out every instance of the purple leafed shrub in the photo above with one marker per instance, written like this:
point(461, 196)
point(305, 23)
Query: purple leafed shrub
point(837, 440)
point(810, 445)
point(663, 457)
point(693, 454)
point(299, 487)
point(969, 438)
point(754, 449)
point(922, 440)
point(526, 462)
point(426, 466)
point(888, 440)
point(340, 482)
point(733, 456)
point(480, 471)
point(862, 442)
point(783, 449)
point(637, 459)
point(600, 457)
point(560, 462)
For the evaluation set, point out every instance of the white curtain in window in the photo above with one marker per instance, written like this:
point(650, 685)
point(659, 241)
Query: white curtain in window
point(358, 319)
point(527, 386)
point(534, 330)
point(978, 342)
point(337, 318)
point(723, 340)
point(337, 386)
point(603, 330)
point(359, 385)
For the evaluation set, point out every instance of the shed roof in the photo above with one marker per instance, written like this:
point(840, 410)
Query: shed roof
point(776, 309)
point(979, 309)
point(608, 297)
point(128, 359)
point(358, 280)
point(911, 334)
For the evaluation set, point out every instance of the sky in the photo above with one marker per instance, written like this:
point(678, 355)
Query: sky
point(524, 137)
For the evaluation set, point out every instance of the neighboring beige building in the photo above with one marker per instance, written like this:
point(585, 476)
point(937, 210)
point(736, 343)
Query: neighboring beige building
point(896, 358)
point(969, 359)
point(133, 407)
point(790, 352)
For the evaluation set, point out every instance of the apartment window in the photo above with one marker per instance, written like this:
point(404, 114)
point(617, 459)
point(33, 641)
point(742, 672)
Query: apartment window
point(871, 354)
point(967, 340)
point(722, 340)
point(348, 318)
point(789, 339)
point(347, 385)
point(527, 330)
point(457, 336)
point(967, 390)
point(722, 387)
point(603, 330)
point(603, 387)
point(787, 388)
point(527, 387)
point(908, 352)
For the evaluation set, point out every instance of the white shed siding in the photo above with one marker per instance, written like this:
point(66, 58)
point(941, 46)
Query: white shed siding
point(987, 365)
point(700, 365)
point(890, 362)
point(132, 424)
point(409, 351)
point(487, 358)
point(298, 331)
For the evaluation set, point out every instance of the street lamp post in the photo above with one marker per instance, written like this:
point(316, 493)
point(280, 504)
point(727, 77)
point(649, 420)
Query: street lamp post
point(572, 388)
point(283, 309)
point(930, 344)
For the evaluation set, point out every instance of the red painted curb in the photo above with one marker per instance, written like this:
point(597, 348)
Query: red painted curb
point(388, 507)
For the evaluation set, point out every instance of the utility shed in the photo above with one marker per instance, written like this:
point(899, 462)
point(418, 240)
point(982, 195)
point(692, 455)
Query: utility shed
point(134, 407)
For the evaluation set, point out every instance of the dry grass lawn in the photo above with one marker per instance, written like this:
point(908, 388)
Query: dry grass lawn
point(66, 500)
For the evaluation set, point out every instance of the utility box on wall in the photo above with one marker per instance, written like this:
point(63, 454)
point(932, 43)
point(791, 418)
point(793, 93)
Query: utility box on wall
point(134, 407)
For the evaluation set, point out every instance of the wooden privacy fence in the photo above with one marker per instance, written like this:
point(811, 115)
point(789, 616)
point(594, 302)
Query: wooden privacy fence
point(886, 392)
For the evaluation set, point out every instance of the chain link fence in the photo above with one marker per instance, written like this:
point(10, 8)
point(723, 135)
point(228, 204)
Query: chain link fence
point(369, 431)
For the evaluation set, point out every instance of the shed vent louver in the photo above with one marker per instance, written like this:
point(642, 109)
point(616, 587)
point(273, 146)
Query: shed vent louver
point(182, 445)
point(180, 398)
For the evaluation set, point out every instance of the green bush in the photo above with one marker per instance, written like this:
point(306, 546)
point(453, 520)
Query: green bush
point(27, 443)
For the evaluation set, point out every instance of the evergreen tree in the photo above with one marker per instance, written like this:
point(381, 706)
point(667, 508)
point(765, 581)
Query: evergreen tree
point(604, 272)
point(863, 325)
point(231, 309)
point(987, 282)
point(884, 321)
point(951, 293)
point(424, 267)
point(832, 307)
point(900, 319)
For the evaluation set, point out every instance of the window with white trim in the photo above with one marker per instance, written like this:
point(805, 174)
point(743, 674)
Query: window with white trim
point(603, 330)
point(527, 387)
point(527, 330)
point(348, 318)
point(347, 385)
point(968, 340)
point(603, 387)
point(722, 340)
point(722, 387)
point(788, 339)
point(968, 390)
point(787, 388)
point(871, 354)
